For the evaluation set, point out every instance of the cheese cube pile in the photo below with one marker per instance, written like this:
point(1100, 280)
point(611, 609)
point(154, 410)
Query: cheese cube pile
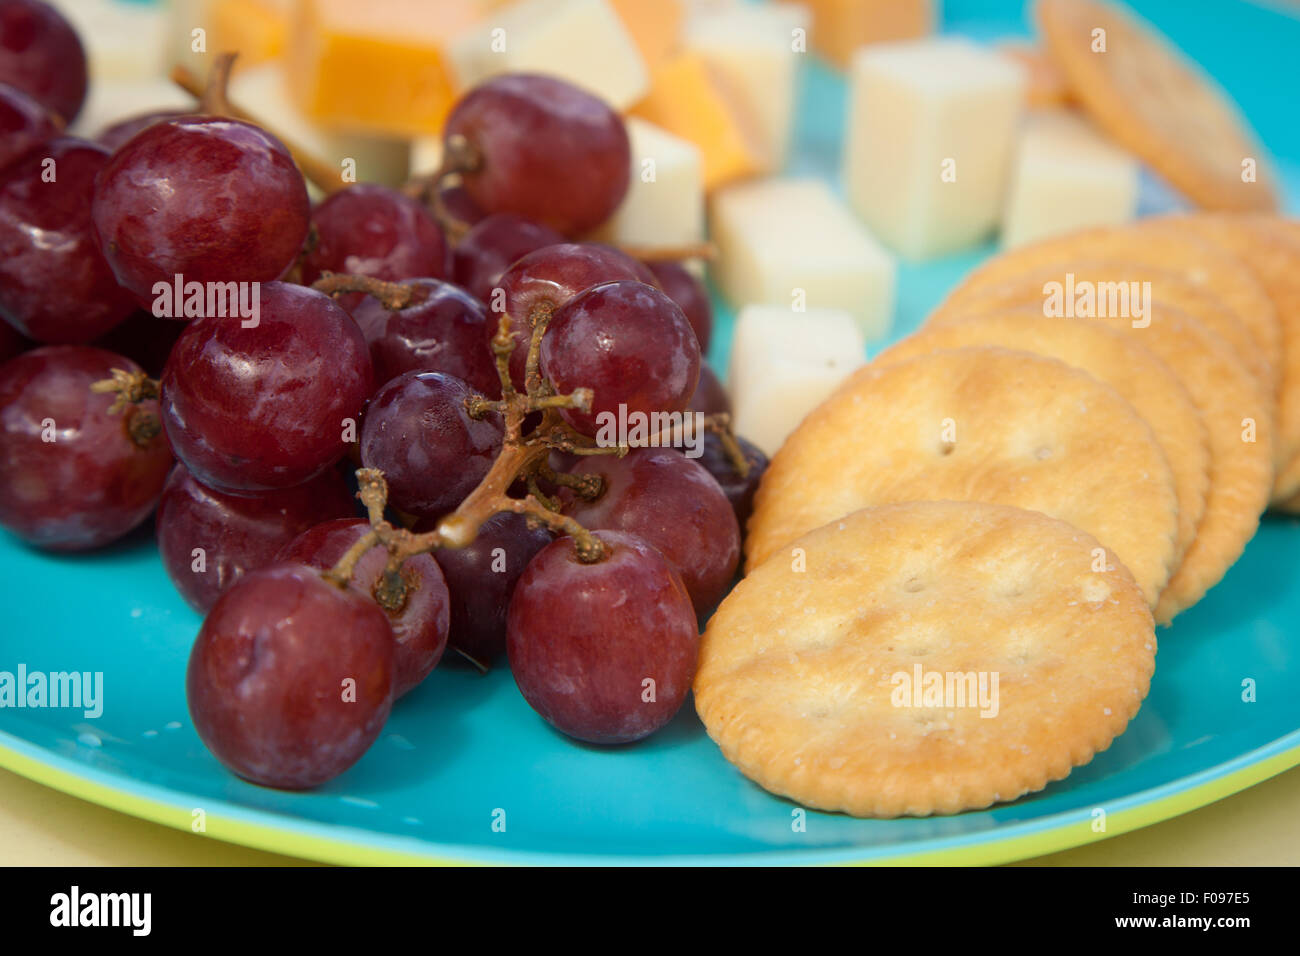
point(665, 199)
point(654, 25)
point(842, 27)
point(791, 242)
point(784, 364)
point(582, 41)
point(754, 53)
point(1067, 176)
point(929, 144)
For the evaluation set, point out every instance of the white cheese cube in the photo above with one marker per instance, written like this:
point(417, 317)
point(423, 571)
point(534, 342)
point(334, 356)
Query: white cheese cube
point(581, 41)
point(110, 101)
point(928, 152)
point(792, 242)
point(664, 205)
point(784, 364)
point(264, 92)
point(755, 52)
point(1066, 176)
point(123, 41)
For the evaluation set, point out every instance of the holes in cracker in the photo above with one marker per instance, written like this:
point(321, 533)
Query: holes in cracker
point(913, 585)
point(1043, 452)
point(946, 448)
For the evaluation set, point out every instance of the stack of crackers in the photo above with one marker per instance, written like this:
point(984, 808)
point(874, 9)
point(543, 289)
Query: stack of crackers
point(955, 565)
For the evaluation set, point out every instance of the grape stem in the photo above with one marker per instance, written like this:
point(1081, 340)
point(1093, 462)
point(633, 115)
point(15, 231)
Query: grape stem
point(322, 174)
point(214, 100)
point(393, 296)
point(129, 390)
point(459, 157)
point(688, 250)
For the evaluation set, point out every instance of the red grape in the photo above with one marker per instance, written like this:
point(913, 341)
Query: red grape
point(495, 244)
point(115, 134)
point(41, 54)
point(205, 197)
point(54, 285)
point(547, 150)
point(690, 295)
point(419, 625)
point(24, 124)
point(710, 397)
point(419, 433)
point(481, 578)
point(375, 231)
point(547, 279)
point(605, 652)
point(291, 678)
point(674, 504)
point(442, 330)
point(252, 409)
point(99, 475)
point(630, 344)
point(236, 534)
point(739, 491)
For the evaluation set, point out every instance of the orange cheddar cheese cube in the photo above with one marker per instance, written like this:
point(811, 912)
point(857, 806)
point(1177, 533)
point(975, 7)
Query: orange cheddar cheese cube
point(687, 100)
point(255, 29)
point(376, 66)
point(655, 26)
point(842, 26)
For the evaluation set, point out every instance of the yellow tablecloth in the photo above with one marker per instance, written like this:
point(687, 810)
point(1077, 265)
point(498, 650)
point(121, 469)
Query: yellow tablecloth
point(40, 826)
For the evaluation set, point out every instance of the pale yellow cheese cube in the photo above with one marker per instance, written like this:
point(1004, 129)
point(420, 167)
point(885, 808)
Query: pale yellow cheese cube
point(1066, 176)
point(755, 52)
point(784, 364)
point(792, 242)
point(929, 143)
point(581, 41)
point(123, 41)
point(664, 205)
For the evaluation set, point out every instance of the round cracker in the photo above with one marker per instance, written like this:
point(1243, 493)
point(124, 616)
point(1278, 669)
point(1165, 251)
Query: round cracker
point(798, 680)
point(1157, 249)
point(1148, 384)
point(1167, 289)
point(1030, 432)
point(1157, 103)
point(1241, 471)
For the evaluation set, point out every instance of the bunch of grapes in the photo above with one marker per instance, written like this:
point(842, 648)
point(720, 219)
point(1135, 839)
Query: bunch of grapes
point(458, 340)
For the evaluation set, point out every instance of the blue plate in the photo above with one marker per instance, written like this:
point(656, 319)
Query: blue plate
point(465, 771)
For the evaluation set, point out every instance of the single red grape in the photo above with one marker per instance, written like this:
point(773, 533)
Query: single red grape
point(291, 678)
point(481, 578)
point(605, 652)
point(442, 330)
point(710, 397)
point(375, 231)
point(235, 534)
point(253, 409)
point(739, 491)
point(546, 150)
point(41, 54)
point(690, 295)
point(630, 344)
point(419, 433)
point(205, 197)
point(72, 476)
point(115, 134)
point(492, 246)
point(24, 124)
point(546, 279)
point(419, 625)
point(55, 286)
point(673, 503)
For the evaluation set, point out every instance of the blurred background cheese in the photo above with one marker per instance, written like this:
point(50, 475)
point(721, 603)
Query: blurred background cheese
point(841, 27)
point(654, 25)
point(784, 364)
point(687, 99)
point(109, 101)
point(664, 205)
point(1066, 176)
point(1045, 83)
point(378, 66)
point(264, 92)
point(751, 51)
point(582, 41)
point(929, 141)
point(779, 239)
point(123, 40)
